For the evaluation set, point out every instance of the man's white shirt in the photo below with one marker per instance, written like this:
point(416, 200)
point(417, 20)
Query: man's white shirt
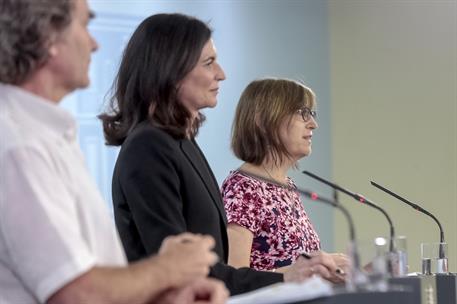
point(54, 224)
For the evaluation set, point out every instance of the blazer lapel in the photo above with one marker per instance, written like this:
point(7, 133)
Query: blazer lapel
point(198, 161)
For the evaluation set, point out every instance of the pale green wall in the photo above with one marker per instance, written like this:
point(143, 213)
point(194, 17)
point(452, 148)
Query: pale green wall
point(394, 108)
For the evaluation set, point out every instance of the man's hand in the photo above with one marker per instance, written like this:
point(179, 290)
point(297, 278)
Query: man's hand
point(186, 257)
point(202, 291)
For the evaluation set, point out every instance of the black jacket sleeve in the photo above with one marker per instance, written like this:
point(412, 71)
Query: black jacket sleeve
point(244, 279)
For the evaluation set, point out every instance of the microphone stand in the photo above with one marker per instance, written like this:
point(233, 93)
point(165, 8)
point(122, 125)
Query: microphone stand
point(359, 279)
point(315, 197)
point(441, 253)
point(361, 199)
point(446, 287)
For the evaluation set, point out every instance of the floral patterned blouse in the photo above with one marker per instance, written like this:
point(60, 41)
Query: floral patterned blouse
point(274, 214)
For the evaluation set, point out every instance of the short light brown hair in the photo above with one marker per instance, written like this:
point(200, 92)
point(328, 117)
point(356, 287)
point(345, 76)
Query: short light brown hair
point(263, 106)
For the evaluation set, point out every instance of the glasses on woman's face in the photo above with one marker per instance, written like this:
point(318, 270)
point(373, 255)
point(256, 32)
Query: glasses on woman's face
point(306, 114)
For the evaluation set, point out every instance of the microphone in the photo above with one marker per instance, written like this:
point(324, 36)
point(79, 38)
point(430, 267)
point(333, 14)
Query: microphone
point(418, 208)
point(315, 197)
point(361, 199)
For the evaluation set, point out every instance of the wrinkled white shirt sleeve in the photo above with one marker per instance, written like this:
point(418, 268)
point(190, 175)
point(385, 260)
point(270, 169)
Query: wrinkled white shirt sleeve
point(39, 223)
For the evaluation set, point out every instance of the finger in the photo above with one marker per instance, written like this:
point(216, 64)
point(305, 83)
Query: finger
point(340, 272)
point(337, 279)
point(212, 291)
point(208, 241)
point(323, 265)
point(201, 255)
point(213, 259)
point(342, 260)
point(318, 261)
point(168, 240)
point(322, 271)
point(187, 237)
point(219, 295)
point(339, 254)
point(205, 263)
point(340, 278)
point(203, 243)
point(318, 253)
point(312, 271)
point(327, 260)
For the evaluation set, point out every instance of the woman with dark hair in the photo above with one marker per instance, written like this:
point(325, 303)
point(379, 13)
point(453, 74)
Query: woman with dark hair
point(161, 53)
point(162, 183)
point(268, 228)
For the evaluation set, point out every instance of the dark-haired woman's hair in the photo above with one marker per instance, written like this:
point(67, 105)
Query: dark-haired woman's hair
point(161, 52)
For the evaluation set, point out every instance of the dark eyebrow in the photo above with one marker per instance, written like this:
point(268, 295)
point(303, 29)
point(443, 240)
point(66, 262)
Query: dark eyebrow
point(91, 15)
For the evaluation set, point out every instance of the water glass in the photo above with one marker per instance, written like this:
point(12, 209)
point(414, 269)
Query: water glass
point(372, 273)
point(434, 258)
point(398, 258)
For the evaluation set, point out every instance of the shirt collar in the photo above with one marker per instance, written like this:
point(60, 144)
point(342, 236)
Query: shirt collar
point(41, 110)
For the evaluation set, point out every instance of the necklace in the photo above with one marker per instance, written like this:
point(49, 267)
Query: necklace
point(281, 183)
point(284, 186)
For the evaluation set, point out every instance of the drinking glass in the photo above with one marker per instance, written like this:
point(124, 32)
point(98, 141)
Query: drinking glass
point(372, 273)
point(398, 258)
point(434, 258)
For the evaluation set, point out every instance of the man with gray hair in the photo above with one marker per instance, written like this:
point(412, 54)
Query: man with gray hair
point(58, 243)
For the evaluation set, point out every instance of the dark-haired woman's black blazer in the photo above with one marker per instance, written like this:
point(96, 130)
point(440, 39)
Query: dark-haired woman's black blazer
point(164, 186)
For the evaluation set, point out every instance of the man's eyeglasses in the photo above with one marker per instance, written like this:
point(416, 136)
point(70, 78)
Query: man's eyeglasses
point(307, 113)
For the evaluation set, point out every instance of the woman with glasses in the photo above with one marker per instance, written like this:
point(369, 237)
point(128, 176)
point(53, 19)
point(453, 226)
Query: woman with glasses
point(268, 228)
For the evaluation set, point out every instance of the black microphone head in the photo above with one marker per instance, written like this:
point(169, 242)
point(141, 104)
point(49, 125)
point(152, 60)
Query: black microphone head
point(415, 206)
point(359, 198)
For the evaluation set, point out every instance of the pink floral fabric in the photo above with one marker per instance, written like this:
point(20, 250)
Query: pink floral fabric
point(274, 214)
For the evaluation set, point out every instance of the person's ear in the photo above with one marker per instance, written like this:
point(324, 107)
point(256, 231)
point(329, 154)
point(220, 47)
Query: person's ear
point(53, 51)
point(53, 42)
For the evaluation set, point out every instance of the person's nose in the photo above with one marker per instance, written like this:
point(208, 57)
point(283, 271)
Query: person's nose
point(220, 75)
point(94, 43)
point(312, 123)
